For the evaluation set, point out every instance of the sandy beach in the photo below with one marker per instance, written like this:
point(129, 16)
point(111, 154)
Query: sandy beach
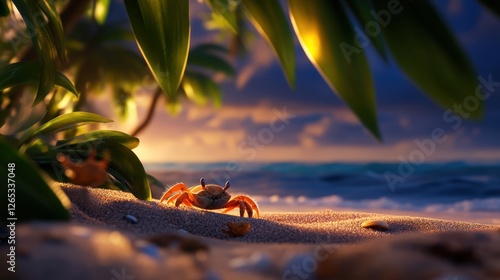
point(188, 243)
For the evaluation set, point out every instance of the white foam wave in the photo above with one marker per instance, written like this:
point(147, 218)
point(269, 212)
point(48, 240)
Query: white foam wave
point(334, 201)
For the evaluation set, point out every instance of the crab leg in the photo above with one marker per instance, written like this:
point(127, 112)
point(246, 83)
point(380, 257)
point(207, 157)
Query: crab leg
point(173, 198)
point(175, 188)
point(185, 198)
point(245, 203)
point(249, 203)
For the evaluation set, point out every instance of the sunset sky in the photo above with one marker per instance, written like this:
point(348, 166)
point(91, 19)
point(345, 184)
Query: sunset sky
point(262, 119)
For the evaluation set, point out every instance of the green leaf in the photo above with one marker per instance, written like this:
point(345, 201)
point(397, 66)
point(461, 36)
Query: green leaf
point(162, 30)
point(225, 8)
point(4, 8)
point(101, 11)
point(55, 26)
point(199, 88)
point(438, 66)
point(326, 35)
point(27, 72)
point(100, 136)
point(268, 17)
point(63, 122)
point(492, 5)
point(361, 9)
point(43, 43)
point(36, 196)
point(126, 167)
point(205, 57)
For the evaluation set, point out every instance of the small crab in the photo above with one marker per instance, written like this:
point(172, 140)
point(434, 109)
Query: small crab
point(90, 172)
point(210, 197)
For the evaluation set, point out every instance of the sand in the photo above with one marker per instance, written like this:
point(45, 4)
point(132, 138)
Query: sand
point(283, 245)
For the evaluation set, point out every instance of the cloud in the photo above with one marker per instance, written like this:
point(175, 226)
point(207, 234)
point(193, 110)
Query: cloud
point(261, 58)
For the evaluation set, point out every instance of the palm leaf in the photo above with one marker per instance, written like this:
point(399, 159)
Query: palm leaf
point(100, 136)
point(162, 31)
point(27, 72)
point(492, 5)
point(438, 66)
point(268, 17)
point(63, 122)
point(225, 9)
point(325, 32)
point(361, 9)
point(44, 41)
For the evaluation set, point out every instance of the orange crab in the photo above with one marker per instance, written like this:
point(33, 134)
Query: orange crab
point(210, 197)
point(90, 172)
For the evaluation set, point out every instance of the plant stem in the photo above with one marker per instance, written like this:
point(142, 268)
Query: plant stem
point(150, 114)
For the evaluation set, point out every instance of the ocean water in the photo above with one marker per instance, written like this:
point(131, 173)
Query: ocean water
point(456, 187)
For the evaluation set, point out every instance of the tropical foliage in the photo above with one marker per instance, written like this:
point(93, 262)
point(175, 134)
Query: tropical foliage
point(70, 45)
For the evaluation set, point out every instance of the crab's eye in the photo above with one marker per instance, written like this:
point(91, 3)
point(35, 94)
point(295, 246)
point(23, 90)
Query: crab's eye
point(226, 186)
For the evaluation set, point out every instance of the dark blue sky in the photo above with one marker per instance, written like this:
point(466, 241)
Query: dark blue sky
point(322, 128)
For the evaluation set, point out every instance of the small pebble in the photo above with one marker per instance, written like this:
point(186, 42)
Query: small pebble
point(131, 219)
point(376, 225)
point(147, 248)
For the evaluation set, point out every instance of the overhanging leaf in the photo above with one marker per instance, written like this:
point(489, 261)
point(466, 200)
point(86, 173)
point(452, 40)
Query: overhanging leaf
point(326, 35)
point(100, 136)
point(55, 26)
point(26, 72)
point(225, 8)
point(101, 10)
point(43, 42)
point(162, 31)
point(268, 17)
point(438, 66)
point(361, 9)
point(63, 122)
point(36, 197)
point(492, 5)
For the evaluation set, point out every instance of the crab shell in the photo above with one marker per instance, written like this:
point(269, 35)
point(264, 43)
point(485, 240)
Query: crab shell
point(213, 197)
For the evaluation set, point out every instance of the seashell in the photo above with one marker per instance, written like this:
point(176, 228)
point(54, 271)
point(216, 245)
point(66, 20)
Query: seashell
point(237, 229)
point(131, 219)
point(376, 225)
